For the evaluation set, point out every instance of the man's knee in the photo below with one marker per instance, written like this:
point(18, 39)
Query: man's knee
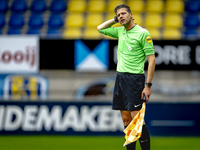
point(126, 122)
point(126, 119)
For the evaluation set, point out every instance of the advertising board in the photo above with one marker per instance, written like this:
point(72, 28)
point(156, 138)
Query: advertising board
point(19, 54)
point(101, 55)
point(94, 118)
point(20, 87)
point(59, 118)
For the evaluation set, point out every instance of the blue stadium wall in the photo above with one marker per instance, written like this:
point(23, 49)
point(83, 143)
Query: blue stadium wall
point(94, 118)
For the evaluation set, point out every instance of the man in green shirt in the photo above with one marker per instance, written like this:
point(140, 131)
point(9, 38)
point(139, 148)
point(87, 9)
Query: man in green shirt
point(134, 46)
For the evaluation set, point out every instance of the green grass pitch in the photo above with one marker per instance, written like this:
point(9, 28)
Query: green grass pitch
point(92, 143)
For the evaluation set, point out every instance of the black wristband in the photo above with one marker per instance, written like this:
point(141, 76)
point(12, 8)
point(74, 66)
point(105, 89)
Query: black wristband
point(115, 18)
point(149, 84)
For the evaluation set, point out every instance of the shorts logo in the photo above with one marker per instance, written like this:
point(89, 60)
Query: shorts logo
point(149, 39)
point(137, 105)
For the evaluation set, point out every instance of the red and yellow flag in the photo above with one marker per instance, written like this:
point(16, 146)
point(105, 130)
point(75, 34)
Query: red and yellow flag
point(134, 130)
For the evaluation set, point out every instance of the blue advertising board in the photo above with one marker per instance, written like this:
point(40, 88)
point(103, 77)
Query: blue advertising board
point(59, 118)
point(94, 118)
point(171, 119)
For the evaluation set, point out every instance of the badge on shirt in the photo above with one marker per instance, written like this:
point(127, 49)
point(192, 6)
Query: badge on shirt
point(129, 48)
point(149, 39)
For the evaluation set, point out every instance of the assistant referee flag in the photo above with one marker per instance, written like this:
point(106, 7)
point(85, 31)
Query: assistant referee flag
point(134, 130)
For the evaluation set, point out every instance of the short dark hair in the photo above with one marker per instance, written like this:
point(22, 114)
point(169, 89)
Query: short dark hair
point(122, 6)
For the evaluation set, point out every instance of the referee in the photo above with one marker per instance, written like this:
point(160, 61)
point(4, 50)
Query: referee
point(134, 46)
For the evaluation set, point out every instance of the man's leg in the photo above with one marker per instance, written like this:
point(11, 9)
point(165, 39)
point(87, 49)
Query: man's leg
point(127, 118)
point(145, 138)
point(130, 146)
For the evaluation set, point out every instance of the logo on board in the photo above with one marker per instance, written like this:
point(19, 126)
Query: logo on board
point(91, 60)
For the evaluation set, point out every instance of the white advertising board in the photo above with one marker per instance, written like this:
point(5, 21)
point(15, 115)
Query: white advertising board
point(19, 54)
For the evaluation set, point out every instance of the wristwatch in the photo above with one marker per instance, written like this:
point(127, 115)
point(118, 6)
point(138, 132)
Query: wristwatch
point(149, 84)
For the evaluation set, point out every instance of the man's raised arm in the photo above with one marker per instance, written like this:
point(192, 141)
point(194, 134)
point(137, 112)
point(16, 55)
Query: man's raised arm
point(106, 24)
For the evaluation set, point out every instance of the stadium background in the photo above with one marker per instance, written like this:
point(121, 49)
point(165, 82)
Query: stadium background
point(57, 74)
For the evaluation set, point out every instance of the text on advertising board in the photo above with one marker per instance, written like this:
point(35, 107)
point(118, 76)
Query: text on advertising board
point(34, 118)
point(171, 54)
point(19, 54)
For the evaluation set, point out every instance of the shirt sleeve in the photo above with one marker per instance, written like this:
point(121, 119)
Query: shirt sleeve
point(147, 43)
point(111, 31)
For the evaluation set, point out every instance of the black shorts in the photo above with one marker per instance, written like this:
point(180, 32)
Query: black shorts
point(127, 91)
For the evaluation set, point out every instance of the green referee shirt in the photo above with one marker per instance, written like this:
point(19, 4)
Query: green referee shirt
point(133, 47)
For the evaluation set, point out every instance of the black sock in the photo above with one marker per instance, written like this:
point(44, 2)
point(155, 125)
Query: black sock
point(130, 146)
point(145, 138)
